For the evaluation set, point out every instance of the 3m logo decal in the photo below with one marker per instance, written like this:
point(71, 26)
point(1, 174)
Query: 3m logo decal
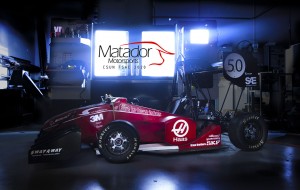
point(180, 129)
point(95, 118)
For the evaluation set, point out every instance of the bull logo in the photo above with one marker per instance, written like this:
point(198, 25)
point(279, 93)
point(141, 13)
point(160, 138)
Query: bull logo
point(160, 50)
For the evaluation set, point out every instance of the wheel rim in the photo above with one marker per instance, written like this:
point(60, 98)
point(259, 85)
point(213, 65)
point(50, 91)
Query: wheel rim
point(117, 143)
point(252, 132)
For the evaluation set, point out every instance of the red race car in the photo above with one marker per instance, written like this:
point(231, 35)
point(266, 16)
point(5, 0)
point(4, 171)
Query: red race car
point(119, 129)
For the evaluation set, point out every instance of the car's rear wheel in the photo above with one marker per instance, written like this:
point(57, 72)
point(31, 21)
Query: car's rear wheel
point(118, 142)
point(248, 132)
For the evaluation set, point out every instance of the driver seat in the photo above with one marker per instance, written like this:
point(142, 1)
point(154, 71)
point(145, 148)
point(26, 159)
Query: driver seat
point(177, 106)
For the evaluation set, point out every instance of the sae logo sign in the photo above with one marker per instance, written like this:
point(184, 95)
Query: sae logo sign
point(250, 81)
point(240, 69)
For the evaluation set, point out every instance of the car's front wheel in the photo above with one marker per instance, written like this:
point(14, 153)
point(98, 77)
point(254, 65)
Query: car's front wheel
point(118, 142)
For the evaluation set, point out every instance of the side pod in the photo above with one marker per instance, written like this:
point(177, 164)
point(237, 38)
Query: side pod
point(61, 145)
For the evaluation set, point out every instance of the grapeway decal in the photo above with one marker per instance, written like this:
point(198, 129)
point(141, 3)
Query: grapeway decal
point(211, 140)
point(180, 129)
point(136, 109)
point(46, 152)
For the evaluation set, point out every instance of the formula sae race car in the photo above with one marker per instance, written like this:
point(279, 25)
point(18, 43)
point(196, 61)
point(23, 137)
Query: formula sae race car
point(119, 129)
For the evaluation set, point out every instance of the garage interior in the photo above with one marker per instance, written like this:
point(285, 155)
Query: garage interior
point(45, 47)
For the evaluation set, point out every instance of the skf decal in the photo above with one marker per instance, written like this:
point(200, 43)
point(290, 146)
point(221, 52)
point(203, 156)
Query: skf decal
point(97, 117)
point(211, 140)
point(180, 129)
point(46, 152)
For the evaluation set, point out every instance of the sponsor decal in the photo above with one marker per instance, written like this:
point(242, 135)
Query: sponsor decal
point(95, 118)
point(260, 143)
point(211, 140)
point(250, 79)
point(180, 139)
point(180, 129)
point(46, 152)
point(252, 117)
point(124, 54)
point(57, 30)
point(87, 111)
point(91, 111)
point(61, 118)
point(136, 109)
point(58, 120)
point(198, 144)
point(213, 137)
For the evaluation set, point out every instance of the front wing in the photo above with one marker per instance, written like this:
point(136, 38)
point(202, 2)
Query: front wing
point(60, 145)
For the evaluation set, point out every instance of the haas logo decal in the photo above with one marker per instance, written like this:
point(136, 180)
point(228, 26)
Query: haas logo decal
point(180, 128)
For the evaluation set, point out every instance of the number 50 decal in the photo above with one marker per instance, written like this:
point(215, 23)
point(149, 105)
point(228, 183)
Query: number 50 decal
point(234, 65)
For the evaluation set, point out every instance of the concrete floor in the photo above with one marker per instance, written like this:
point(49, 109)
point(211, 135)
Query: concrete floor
point(276, 166)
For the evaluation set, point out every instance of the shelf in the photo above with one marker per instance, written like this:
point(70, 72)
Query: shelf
point(84, 41)
point(65, 77)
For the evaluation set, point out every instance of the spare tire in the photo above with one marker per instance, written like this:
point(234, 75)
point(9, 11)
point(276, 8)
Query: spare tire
point(248, 131)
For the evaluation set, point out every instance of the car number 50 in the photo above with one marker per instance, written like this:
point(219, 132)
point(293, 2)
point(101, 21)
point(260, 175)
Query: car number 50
point(234, 65)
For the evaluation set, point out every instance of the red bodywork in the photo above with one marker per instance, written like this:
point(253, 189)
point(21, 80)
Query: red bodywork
point(153, 126)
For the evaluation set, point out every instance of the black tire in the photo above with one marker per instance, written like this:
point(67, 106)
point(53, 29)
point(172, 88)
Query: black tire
point(118, 143)
point(248, 132)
